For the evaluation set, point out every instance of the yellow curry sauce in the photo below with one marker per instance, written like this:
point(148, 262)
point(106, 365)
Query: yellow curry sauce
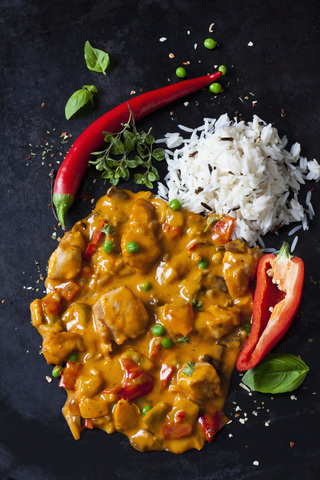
point(163, 387)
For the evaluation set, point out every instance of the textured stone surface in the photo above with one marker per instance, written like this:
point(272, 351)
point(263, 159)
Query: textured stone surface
point(41, 49)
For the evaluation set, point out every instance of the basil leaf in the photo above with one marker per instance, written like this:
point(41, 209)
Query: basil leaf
point(79, 99)
point(277, 373)
point(96, 60)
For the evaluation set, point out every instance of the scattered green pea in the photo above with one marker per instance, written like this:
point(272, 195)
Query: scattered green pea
point(166, 342)
point(175, 204)
point(145, 409)
point(109, 246)
point(203, 263)
point(57, 370)
point(132, 247)
point(210, 43)
point(158, 330)
point(181, 72)
point(73, 357)
point(146, 286)
point(215, 87)
point(223, 69)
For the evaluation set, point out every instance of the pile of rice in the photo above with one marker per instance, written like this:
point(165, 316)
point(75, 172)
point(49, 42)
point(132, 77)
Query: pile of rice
point(240, 169)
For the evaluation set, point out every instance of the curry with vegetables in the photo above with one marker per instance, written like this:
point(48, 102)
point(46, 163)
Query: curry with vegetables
point(143, 320)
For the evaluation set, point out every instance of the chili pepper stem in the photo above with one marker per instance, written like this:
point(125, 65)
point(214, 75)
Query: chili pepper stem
point(62, 202)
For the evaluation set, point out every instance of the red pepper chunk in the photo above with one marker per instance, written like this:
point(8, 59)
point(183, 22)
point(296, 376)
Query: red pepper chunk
point(276, 301)
point(88, 423)
point(221, 231)
point(171, 232)
point(52, 303)
point(136, 383)
point(172, 431)
point(165, 375)
point(210, 424)
point(70, 374)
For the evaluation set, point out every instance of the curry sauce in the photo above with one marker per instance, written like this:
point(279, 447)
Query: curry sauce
point(143, 318)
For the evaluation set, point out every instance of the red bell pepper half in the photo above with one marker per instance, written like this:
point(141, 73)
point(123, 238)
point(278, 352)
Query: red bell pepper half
point(276, 301)
point(210, 424)
point(136, 383)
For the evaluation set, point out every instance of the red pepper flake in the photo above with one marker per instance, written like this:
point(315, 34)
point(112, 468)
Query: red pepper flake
point(43, 105)
point(291, 444)
point(283, 115)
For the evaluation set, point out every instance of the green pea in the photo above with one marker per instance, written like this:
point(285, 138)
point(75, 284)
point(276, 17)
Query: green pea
point(146, 286)
point(215, 87)
point(158, 330)
point(166, 343)
point(145, 409)
point(56, 372)
point(203, 263)
point(181, 72)
point(223, 69)
point(132, 247)
point(73, 357)
point(210, 43)
point(175, 204)
point(109, 246)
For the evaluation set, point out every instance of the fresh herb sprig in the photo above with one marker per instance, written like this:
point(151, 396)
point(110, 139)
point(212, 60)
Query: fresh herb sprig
point(189, 369)
point(116, 160)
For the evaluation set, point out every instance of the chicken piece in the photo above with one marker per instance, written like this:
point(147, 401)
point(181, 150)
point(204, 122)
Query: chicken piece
point(126, 415)
point(217, 322)
point(154, 418)
point(178, 319)
point(57, 346)
point(184, 409)
point(200, 384)
point(119, 315)
point(239, 269)
point(88, 385)
point(93, 408)
point(65, 262)
point(74, 237)
point(142, 228)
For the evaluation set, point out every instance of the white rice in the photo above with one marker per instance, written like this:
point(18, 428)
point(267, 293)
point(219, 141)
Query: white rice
point(239, 169)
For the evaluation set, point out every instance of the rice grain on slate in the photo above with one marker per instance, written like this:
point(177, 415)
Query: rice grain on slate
point(239, 169)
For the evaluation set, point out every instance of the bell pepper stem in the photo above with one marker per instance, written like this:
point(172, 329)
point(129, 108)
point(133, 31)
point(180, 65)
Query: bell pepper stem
point(284, 255)
point(62, 202)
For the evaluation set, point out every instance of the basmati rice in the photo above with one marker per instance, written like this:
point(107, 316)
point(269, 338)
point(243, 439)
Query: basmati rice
point(239, 169)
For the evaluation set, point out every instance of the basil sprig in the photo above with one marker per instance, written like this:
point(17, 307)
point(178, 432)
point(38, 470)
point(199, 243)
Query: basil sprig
point(277, 373)
point(96, 60)
point(79, 99)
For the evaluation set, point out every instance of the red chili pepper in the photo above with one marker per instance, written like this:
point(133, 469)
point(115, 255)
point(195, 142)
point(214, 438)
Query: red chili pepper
point(70, 374)
point(276, 301)
point(74, 165)
point(211, 424)
point(137, 382)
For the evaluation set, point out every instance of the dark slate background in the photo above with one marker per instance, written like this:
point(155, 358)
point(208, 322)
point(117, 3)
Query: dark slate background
point(41, 48)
